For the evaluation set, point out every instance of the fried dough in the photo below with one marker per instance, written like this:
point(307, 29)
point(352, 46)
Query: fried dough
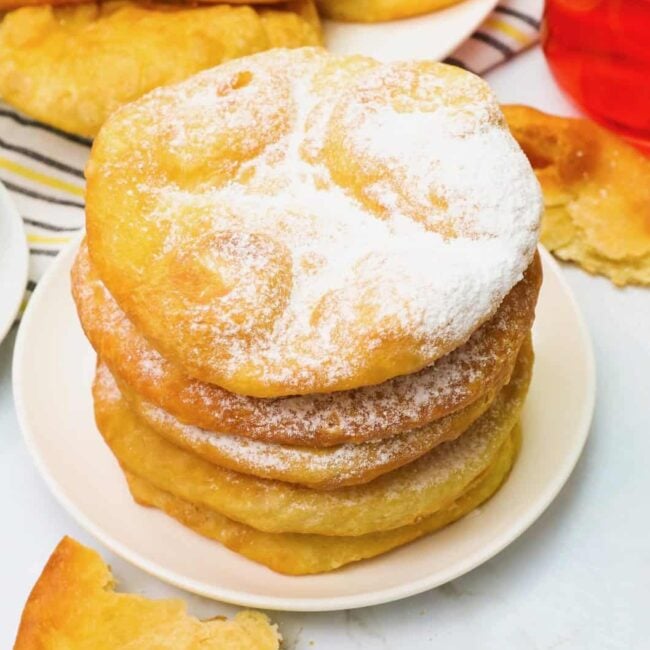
point(596, 193)
point(296, 554)
point(267, 233)
point(322, 469)
point(73, 605)
point(72, 66)
point(396, 499)
point(396, 406)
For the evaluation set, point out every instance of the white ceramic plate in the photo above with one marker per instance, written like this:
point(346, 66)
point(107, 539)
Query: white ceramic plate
point(14, 257)
point(53, 368)
point(431, 36)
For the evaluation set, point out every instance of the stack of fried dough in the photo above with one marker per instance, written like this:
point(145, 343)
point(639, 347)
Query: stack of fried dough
point(310, 281)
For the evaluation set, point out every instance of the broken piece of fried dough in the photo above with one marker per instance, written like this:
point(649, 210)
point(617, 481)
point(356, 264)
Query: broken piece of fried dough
point(73, 606)
point(596, 193)
point(72, 66)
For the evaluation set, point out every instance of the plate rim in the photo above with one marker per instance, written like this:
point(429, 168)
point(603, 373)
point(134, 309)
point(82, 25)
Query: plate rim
point(18, 237)
point(330, 603)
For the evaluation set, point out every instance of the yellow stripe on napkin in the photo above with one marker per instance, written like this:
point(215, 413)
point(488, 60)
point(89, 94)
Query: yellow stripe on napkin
point(39, 177)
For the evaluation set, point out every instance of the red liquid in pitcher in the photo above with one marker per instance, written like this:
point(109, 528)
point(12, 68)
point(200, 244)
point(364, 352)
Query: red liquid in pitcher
point(599, 52)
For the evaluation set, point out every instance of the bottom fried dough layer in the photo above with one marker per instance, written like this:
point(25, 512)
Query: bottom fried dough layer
point(296, 554)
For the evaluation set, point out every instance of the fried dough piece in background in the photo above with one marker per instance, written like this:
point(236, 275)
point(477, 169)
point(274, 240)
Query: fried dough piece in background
point(596, 193)
point(370, 11)
point(73, 605)
point(72, 66)
point(7, 5)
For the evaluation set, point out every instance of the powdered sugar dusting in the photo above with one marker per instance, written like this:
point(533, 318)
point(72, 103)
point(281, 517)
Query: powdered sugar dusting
point(395, 406)
point(415, 246)
point(394, 499)
point(334, 466)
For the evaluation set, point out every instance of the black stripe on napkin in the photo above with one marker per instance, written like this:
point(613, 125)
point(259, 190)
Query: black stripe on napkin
point(38, 157)
point(529, 20)
point(493, 42)
point(50, 226)
point(19, 119)
point(38, 195)
point(44, 251)
point(451, 60)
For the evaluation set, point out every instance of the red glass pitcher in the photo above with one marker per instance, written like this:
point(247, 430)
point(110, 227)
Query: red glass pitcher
point(599, 52)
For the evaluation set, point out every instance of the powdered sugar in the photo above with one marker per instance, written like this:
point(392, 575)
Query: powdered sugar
point(331, 467)
point(395, 499)
point(397, 220)
point(395, 406)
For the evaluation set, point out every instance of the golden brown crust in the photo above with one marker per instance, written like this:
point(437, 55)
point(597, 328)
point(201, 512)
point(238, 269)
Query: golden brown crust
point(395, 499)
point(73, 605)
point(236, 235)
point(366, 414)
point(596, 193)
point(370, 11)
point(295, 554)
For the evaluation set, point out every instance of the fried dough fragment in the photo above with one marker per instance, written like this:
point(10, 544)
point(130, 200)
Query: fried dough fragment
point(596, 193)
point(73, 605)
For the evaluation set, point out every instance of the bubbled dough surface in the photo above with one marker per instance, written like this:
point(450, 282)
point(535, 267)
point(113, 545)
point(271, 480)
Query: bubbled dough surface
point(296, 222)
point(396, 499)
point(371, 413)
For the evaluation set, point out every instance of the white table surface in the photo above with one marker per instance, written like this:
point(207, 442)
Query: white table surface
point(578, 579)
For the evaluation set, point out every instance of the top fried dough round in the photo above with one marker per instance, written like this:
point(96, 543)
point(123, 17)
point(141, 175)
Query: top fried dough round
point(371, 413)
point(296, 222)
point(71, 67)
point(398, 498)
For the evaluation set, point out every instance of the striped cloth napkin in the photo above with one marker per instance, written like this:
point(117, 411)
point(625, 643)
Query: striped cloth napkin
point(43, 168)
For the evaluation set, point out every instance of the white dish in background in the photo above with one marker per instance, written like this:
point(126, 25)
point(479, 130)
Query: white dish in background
point(14, 259)
point(53, 369)
point(431, 36)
